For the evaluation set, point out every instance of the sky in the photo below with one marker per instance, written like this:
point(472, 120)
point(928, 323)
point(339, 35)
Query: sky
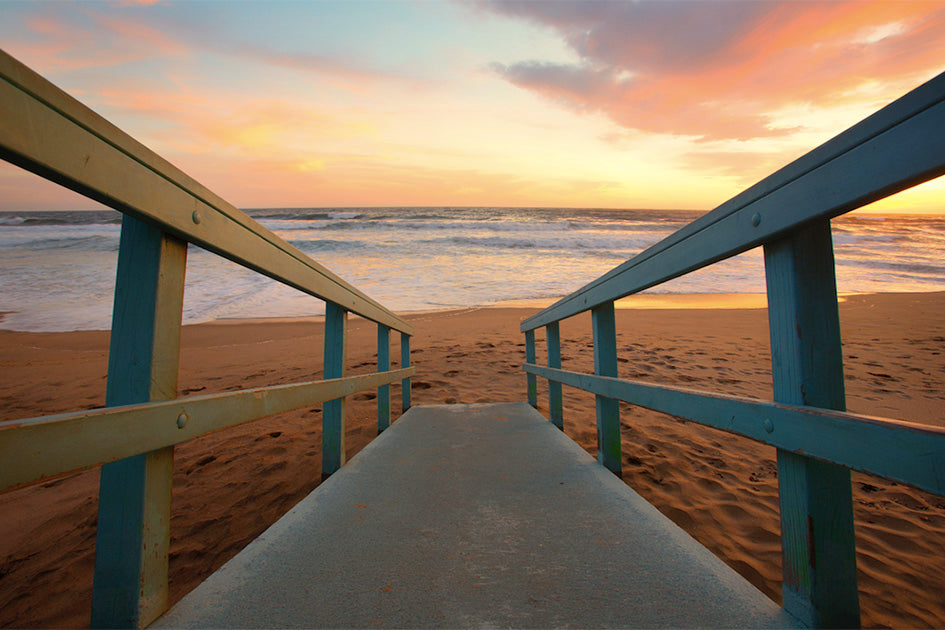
point(639, 104)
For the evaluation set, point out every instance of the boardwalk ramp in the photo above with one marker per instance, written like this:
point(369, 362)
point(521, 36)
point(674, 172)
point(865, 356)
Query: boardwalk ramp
point(471, 516)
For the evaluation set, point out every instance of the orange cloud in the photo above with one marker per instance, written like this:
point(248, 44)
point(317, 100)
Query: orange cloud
point(197, 118)
point(80, 38)
point(720, 70)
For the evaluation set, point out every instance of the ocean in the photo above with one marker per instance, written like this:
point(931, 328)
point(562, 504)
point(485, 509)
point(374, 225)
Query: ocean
point(57, 269)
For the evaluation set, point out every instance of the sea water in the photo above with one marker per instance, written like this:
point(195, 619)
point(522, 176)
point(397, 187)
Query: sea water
point(57, 269)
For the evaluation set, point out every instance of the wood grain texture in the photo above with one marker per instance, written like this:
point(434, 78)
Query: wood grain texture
point(605, 364)
point(555, 404)
point(133, 532)
point(333, 411)
point(405, 362)
point(817, 537)
point(383, 365)
point(530, 381)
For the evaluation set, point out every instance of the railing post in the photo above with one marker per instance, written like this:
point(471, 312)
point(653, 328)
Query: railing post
point(817, 538)
point(383, 365)
point(555, 406)
point(608, 409)
point(333, 411)
point(133, 532)
point(530, 379)
point(405, 362)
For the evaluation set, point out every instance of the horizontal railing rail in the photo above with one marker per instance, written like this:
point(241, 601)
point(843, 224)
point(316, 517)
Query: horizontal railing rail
point(33, 449)
point(47, 132)
point(818, 443)
point(906, 452)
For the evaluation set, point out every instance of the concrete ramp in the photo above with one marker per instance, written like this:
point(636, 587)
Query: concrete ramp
point(474, 516)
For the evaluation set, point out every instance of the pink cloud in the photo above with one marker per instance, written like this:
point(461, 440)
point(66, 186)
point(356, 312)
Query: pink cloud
point(57, 41)
point(721, 70)
point(84, 36)
point(656, 104)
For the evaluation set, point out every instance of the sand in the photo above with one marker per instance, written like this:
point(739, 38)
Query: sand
point(231, 485)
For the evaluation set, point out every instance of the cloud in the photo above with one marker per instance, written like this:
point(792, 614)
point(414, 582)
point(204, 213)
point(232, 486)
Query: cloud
point(197, 121)
point(647, 36)
point(134, 3)
point(346, 72)
point(648, 103)
point(721, 70)
point(80, 36)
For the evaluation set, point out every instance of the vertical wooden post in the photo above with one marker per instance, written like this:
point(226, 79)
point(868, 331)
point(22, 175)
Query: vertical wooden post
point(133, 533)
point(333, 411)
point(530, 379)
point(604, 324)
point(405, 362)
point(383, 365)
point(555, 406)
point(817, 538)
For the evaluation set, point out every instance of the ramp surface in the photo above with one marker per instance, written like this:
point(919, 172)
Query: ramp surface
point(470, 516)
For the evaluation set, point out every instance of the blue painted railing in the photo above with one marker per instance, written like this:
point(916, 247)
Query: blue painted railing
point(44, 130)
point(818, 443)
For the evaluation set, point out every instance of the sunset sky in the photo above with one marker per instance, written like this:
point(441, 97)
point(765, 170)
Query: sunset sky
point(580, 104)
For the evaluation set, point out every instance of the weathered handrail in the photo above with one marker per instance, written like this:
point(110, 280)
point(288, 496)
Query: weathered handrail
point(32, 449)
point(818, 443)
point(906, 452)
point(46, 131)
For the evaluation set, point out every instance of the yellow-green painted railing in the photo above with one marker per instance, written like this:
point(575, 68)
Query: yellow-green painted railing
point(788, 213)
point(46, 131)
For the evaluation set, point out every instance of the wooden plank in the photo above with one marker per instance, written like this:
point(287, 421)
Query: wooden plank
point(605, 364)
point(134, 507)
point(896, 148)
point(817, 538)
point(46, 131)
point(405, 362)
point(35, 449)
point(333, 411)
point(383, 365)
point(555, 405)
point(906, 452)
point(531, 382)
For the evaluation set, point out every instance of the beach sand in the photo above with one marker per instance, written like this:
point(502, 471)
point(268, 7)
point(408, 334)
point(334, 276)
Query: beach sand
point(231, 485)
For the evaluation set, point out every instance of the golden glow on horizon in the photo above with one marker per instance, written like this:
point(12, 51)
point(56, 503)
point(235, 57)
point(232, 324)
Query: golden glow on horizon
point(927, 198)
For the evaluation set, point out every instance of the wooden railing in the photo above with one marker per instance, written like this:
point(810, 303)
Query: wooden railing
point(788, 213)
point(44, 130)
